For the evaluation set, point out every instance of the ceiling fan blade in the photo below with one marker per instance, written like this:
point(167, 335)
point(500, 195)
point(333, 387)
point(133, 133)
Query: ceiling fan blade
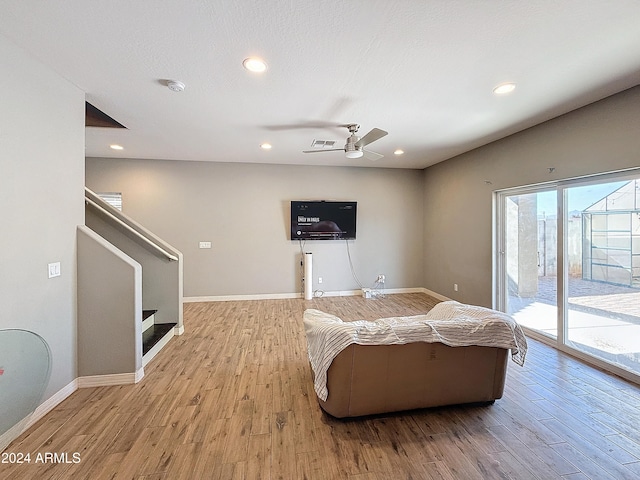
point(324, 150)
point(309, 124)
point(369, 155)
point(372, 136)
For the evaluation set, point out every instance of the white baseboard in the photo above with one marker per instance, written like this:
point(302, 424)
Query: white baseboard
point(53, 401)
point(10, 435)
point(434, 294)
point(44, 408)
point(109, 380)
point(317, 293)
point(226, 298)
point(337, 293)
point(178, 330)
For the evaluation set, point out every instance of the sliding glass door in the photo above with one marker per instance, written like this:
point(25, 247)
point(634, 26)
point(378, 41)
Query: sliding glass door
point(530, 259)
point(568, 267)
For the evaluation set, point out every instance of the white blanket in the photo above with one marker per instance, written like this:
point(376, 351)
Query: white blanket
point(452, 323)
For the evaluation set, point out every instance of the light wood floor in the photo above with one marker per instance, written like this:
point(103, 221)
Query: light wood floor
point(233, 398)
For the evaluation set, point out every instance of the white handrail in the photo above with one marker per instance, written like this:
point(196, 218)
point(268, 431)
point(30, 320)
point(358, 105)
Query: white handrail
point(132, 230)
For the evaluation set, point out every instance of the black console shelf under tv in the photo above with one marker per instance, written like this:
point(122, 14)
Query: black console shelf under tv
point(323, 220)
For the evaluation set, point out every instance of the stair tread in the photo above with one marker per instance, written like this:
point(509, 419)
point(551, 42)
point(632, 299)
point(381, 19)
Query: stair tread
point(147, 313)
point(154, 334)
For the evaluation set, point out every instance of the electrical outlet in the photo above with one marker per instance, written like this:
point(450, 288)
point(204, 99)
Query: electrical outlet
point(381, 278)
point(319, 279)
point(455, 287)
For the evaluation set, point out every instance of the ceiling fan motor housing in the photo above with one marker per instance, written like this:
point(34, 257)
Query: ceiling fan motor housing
point(350, 146)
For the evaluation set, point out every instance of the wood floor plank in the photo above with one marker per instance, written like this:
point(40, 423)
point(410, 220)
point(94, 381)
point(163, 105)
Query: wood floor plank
point(393, 431)
point(233, 398)
point(438, 471)
point(531, 433)
point(590, 468)
point(262, 409)
point(283, 447)
point(259, 457)
point(512, 467)
point(628, 445)
point(457, 462)
point(135, 462)
point(309, 466)
point(239, 427)
point(544, 464)
point(185, 459)
point(579, 418)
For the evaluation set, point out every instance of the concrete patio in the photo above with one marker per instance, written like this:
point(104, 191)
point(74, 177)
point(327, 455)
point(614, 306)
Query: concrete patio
point(604, 319)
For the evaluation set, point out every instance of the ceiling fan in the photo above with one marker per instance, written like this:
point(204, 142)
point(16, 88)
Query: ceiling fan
point(354, 148)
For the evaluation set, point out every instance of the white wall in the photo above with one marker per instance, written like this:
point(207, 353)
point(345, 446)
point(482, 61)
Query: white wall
point(41, 193)
point(598, 138)
point(244, 211)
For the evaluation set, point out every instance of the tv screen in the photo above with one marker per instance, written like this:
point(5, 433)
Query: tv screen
point(323, 220)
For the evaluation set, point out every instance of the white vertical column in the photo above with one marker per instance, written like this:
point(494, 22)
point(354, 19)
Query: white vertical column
point(308, 276)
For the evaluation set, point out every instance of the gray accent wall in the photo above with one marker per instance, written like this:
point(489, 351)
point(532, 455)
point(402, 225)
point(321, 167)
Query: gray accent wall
point(244, 211)
point(601, 137)
point(41, 193)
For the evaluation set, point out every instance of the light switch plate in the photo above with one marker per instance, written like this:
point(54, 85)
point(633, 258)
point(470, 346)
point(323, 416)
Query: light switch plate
point(205, 244)
point(54, 269)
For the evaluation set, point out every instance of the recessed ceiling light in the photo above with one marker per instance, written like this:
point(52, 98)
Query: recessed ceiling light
point(265, 146)
point(254, 64)
point(116, 147)
point(504, 88)
point(398, 152)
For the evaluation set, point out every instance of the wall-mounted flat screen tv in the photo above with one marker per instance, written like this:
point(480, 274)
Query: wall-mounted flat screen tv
point(323, 220)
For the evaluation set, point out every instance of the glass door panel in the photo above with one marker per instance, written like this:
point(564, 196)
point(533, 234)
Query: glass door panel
point(529, 244)
point(603, 295)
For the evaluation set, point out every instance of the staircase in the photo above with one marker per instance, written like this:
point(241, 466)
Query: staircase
point(123, 270)
point(154, 335)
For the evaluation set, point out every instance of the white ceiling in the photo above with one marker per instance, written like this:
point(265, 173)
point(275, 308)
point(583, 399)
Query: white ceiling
point(422, 70)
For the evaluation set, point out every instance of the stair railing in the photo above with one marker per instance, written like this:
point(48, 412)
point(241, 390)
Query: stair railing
point(111, 215)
